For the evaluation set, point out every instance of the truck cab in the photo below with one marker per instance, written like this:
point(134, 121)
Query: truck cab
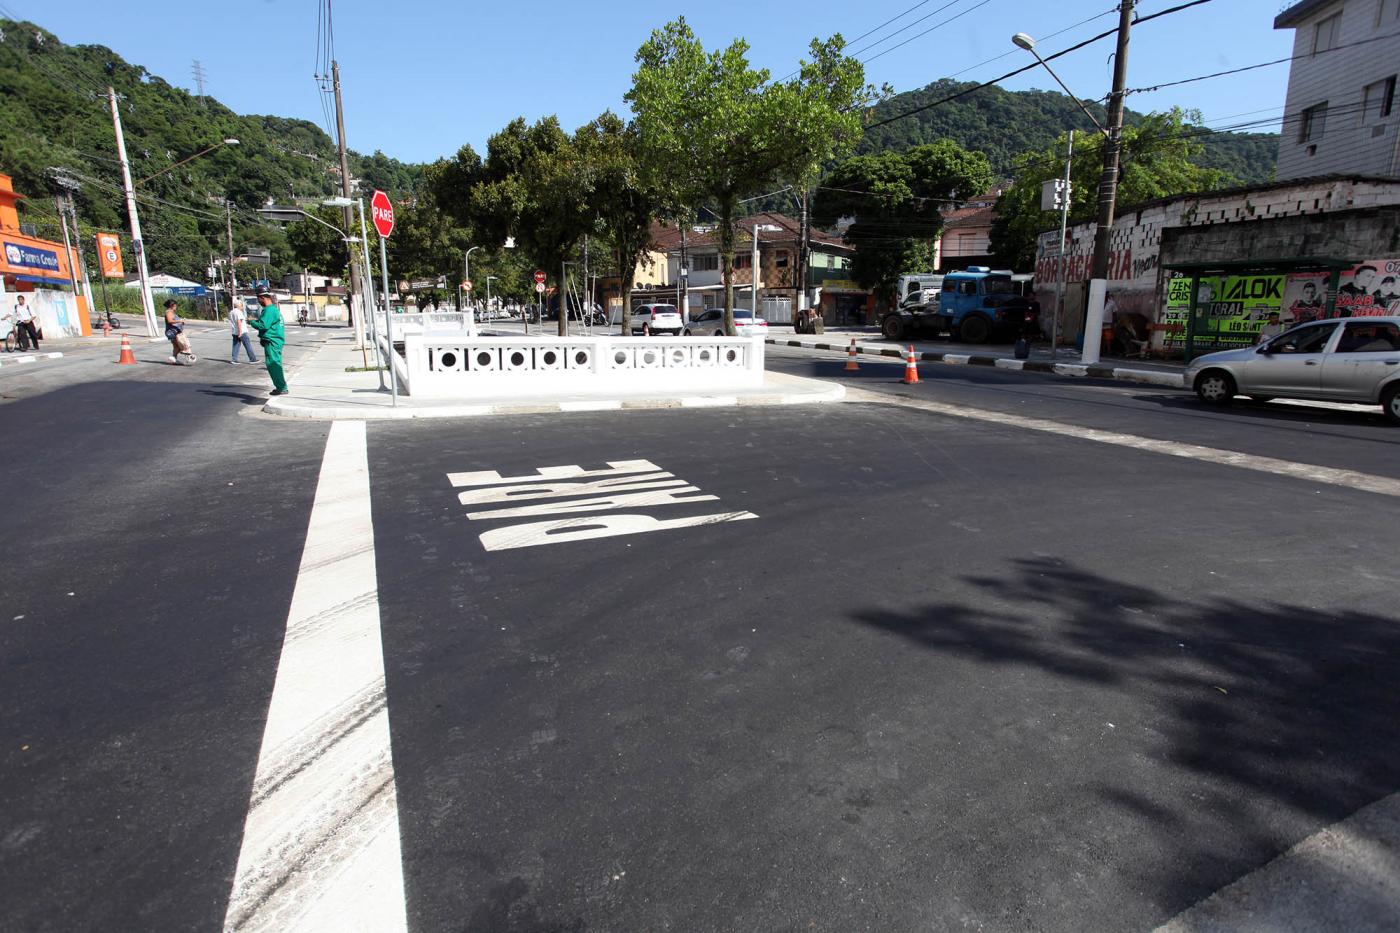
point(974, 305)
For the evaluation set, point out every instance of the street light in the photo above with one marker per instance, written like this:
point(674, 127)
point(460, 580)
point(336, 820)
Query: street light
point(488, 295)
point(286, 214)
point(1023, 40)
point(230, 141)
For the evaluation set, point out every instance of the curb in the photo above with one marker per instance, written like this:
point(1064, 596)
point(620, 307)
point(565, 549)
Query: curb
point(289, 407)
point(30, 358)
point(1077, 370)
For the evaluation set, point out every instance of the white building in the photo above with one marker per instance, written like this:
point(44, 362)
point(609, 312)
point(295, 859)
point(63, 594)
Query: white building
point(1341, 115)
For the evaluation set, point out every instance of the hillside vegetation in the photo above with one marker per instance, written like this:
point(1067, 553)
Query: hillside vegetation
point(1007, 124)
point(56, 115)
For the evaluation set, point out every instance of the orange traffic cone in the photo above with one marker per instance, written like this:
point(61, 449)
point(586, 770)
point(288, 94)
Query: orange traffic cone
point(127, 358)
point(851, 365)
point(911, 369)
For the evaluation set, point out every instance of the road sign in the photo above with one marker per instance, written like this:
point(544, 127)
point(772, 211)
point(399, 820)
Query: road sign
point(539, 280)
point(466, 285)
point(382, 210)
point(1053, 194)
point(109, 251)
point(539, 287)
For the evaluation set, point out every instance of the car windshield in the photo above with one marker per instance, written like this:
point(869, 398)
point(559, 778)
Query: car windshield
point(1000, 285)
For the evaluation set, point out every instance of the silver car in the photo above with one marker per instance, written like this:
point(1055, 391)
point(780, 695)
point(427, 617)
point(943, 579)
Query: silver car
point(1341, 360)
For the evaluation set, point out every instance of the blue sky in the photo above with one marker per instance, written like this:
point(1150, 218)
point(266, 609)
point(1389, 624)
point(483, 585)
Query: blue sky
point(422, 77)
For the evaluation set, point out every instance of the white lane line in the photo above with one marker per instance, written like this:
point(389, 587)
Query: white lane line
point(1344, 877)
point(321, 842)
point(1367, 482)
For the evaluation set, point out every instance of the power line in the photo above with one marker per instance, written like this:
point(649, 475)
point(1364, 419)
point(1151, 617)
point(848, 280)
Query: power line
point(920, 35)
point(906, 27)
point(1010, 74)
point(1277, 61)
point(1070, 28)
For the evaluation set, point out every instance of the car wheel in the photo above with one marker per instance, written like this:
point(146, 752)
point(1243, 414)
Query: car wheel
point(1215, 386)
point(687, 332)
point(646, 330)
point(1390, 400)
point(975, 329)
point(892, 327)
point(1261, 398)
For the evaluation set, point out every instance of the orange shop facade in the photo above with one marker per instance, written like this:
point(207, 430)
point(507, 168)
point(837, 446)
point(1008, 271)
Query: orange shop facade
point(41, 270)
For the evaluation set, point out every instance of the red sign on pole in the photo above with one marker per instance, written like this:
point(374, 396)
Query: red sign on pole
point(539, 278)
point(382, 210)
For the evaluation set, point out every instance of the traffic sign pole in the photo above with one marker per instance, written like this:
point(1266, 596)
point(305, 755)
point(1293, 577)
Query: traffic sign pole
point(388, 319)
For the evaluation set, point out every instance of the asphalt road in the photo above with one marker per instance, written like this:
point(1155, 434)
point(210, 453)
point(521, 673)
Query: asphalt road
point(930, 680)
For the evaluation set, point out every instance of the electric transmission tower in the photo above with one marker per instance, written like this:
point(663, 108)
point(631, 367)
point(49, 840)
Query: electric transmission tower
point(197, 69)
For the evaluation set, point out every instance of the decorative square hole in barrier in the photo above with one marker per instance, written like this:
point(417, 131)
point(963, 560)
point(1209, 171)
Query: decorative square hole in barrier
point(483, 359)
point(678, 357)
point(550, 357)
point(514, 359)
point(445, 359)
point(579, 358)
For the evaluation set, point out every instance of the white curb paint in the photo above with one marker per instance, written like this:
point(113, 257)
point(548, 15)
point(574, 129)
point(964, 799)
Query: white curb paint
point(709, 401)
point(957, 359)
point(609, 405)
point(1009, 364)
point(1366, 482)
point(321, 842)
point(1071, 369)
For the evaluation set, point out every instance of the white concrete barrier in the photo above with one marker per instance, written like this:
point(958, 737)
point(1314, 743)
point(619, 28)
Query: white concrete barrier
point(436, 365)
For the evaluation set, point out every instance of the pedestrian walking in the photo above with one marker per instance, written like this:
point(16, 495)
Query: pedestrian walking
point(272, 335)
point(238, 323)
point(24, 320)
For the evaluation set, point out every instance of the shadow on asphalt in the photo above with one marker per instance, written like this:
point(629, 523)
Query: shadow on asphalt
point(1271, 411)
point(1253, 710)
point(243, 397)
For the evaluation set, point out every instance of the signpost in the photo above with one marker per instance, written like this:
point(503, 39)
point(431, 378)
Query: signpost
point(382, 210)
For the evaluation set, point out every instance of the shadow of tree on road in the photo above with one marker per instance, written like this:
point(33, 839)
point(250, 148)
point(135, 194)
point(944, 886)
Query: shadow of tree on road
point(1265, 709)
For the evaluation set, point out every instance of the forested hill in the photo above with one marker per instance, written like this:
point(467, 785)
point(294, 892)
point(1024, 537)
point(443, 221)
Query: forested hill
point(1005, 124)
point(55, 114)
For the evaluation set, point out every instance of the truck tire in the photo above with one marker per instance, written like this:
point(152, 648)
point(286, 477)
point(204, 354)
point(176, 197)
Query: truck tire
point(892, 327)
point(974, 329)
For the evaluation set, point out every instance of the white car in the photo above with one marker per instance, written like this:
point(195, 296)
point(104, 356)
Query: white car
point(711, 321)
point(1353, 359)
point(657, 319)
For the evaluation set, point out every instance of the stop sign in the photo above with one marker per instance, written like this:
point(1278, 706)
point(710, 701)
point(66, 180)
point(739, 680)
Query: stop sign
point(382, 210)
point(539, 278)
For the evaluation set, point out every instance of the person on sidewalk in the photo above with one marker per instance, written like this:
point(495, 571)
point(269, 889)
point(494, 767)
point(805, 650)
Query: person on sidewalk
point(238, 322)
point(24, 320)
point(272, 335)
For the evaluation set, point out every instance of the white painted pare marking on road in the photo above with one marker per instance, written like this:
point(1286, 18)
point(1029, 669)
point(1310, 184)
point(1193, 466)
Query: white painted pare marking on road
point(572, 490)
point(321, 842)
point(1367, 482)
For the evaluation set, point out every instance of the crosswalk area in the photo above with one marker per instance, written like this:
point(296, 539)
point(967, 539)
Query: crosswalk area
point(842, 668)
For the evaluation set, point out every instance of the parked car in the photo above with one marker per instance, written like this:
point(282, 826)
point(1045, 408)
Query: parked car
point(657, 319)
point(711, 321)
point(1339, 360)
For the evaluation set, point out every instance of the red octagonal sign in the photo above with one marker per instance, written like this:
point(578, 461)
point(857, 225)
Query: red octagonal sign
point(382, 210)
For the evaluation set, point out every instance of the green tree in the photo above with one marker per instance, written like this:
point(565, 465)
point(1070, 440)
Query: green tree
point(895, 201)
point(621, 196)
point(532, 186)
point(713, 130)
point(317, 248)
point(1158, 161)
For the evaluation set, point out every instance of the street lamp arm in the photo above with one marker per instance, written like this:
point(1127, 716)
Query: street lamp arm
point(1087, 112)
point(168, 168)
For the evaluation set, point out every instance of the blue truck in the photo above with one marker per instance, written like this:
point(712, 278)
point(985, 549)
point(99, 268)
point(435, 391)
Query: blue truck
point(975, 305)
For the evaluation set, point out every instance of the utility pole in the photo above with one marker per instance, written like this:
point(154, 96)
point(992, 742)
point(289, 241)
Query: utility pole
point(232, 276)
point(355, 281)
point(78, 248)
point(563, 304)
point(684, 281)
point(1108, 190)
point(586, 312)
point(138, 247)
point(803, 249)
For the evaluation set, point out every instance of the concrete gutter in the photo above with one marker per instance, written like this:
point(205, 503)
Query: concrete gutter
point(1174, 380)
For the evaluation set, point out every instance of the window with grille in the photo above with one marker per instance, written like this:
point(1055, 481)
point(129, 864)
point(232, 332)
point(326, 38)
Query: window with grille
point(1378, 100)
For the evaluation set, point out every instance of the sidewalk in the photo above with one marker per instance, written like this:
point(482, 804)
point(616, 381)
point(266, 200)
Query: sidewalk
point(1065, 363)
point(323, 389)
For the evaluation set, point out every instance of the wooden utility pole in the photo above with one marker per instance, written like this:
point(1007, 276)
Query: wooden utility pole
point(347, 212)
point(1108, 190)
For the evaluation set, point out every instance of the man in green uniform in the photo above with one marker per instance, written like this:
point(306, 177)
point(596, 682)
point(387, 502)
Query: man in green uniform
point(271, 334)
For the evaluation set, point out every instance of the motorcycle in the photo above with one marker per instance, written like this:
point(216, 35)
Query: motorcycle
point(302, 316)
